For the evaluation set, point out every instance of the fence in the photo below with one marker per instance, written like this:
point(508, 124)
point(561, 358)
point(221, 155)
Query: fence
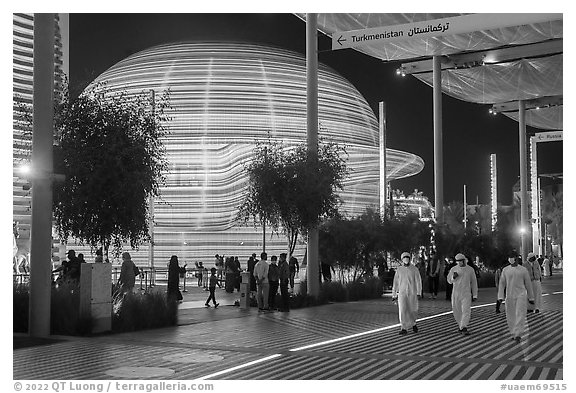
point(149, 277)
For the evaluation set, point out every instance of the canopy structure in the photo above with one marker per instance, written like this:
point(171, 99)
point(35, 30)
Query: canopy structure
point(512, 61)
point(494, 66)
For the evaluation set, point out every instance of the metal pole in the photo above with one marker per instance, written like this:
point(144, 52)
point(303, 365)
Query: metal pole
point(523, 179)
point(42, 140)
point(438, 162)
point(264, 236)
point(383, 183)
point(313, 267)
point(465, 207)
point(539, 220)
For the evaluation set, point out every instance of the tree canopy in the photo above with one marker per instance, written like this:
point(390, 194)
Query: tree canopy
point(359, 242)
point(109, 147)
point(288, 190)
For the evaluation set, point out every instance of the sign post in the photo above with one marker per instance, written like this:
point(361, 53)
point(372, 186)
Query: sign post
point(536, 212)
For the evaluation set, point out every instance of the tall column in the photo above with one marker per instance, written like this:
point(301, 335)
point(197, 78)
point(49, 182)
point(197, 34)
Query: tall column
point(523, 179)
point(42, 164)
point(313, 268)
point(383, 182)
point(534, 195)
point(438, 161)
point(493, 191)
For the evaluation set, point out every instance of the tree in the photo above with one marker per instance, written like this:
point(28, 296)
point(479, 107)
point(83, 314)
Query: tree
point(360, 243)
point(552, 210)
point(454, 217)
point(109, 147)
point(406, 233)
point(287, 190)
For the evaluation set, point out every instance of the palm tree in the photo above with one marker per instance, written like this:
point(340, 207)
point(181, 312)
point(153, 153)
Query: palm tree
point(454, 217)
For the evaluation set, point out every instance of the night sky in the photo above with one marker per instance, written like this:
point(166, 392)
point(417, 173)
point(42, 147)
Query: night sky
point(470, 133)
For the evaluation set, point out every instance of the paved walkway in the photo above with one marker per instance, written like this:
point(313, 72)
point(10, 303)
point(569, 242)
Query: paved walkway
point(355, 340)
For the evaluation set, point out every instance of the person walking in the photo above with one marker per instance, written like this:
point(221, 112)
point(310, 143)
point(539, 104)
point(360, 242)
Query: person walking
point(213, 281)
point(326, 270)
point(219, 264)
point(250, 268)
point(546, 265)
point(237, 268)
point(294, 269)
point(433, 273)
point(406, 288)
point(515, 288)
point(497, 275)
point(199, 272)
point(284, 279)
point(535, 273)
point(174, 272)
point(273, 282)
point(421, 267)
point(262, 286)
point(464, 292)
point(449, 286)
point(127, 278)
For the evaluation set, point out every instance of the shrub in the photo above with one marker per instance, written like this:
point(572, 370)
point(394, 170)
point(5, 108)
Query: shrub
point(334, 291)
point(370, 288)
point(20, 301)
point(137, 311)
point(64, 310)
point(302, 299)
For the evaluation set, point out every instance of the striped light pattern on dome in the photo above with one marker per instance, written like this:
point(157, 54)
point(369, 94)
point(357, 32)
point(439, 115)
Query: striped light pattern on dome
point(225, 96)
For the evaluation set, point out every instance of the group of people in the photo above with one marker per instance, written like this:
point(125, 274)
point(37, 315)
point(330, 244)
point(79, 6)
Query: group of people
point(268, 278)
point(518, 286)
point(69, 269)
point(429, 269)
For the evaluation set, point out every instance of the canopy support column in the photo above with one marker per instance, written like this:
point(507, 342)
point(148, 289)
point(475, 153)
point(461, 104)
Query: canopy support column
point(438, 161)
point(42, 167)
point(523, 179)
point(313, 266)
point(383, 182)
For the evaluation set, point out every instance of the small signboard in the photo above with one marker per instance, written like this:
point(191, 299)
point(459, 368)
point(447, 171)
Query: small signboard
point(435, 28)
point(548, 136)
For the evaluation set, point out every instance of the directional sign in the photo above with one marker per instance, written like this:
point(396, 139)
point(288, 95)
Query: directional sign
point(435, 28)
point(548, 136)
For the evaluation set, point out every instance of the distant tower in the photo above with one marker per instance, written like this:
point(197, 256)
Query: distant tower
point(22, 66)
point(493, 191)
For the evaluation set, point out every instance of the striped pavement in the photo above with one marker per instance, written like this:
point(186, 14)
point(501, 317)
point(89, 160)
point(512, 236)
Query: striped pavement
point(352, 341)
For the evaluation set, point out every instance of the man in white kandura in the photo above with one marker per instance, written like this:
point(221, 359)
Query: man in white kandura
point(535, 273)
point(465, 291)
point(515, 283)
point(406, 288)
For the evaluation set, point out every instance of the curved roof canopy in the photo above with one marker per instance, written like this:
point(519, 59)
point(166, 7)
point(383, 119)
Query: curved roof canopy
point(498, 66)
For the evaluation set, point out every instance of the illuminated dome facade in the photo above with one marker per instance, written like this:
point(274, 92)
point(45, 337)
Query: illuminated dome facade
point(225, 96)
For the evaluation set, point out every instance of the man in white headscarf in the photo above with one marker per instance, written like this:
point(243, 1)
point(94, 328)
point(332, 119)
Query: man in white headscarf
point(516, 285)
point(535, 273)
point(406, 288)
point(465, 290)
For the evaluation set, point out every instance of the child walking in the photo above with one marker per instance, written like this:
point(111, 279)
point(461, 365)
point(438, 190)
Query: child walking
point(212, 287)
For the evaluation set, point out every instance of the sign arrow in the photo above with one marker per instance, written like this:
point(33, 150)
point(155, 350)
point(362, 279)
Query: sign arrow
point(339, 40)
